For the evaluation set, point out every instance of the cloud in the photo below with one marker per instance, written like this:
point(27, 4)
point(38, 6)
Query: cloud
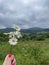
point(25, 26)
point(25, 13)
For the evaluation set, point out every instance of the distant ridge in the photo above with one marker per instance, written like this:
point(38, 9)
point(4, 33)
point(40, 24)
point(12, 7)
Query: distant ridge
point(6, 30)
point(30, 30)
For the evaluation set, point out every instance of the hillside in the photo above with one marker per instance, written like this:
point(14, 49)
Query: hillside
point(6, 30)
point(30, 30)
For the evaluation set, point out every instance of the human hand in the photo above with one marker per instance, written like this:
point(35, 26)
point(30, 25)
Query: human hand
point(9, 60)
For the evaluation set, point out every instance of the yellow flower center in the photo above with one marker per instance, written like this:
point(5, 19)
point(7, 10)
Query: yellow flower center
point(16, 27)
point(13, 40)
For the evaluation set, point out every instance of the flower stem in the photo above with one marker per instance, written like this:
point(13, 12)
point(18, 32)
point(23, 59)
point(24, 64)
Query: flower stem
point(10, 49)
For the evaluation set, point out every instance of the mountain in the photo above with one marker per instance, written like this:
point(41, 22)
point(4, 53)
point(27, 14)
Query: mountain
point(6, 30)
point(30, 30)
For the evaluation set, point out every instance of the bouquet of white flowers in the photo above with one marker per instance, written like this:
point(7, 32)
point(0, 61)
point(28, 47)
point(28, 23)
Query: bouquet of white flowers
point(13, 36)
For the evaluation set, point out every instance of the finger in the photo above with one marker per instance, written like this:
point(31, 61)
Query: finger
point(6, 58)
point(14, 62)
point(7, 61)
point(11, 59)
point(10, 56)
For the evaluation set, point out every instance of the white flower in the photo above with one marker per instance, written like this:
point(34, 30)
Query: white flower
point(14, 35)
point(18, 34)
point(6, 33)
point(13, 41)
point(11, 34)
point(16, 27)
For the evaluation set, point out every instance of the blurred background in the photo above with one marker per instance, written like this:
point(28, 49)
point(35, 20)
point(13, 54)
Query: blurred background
point(33, 18)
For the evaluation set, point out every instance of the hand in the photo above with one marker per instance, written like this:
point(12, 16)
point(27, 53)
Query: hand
point(9, 60)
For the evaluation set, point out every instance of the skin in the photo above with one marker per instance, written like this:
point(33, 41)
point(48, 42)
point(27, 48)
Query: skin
point(9, 60)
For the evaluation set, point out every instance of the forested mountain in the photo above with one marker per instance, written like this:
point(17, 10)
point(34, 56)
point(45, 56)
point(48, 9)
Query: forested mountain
point(30, 30)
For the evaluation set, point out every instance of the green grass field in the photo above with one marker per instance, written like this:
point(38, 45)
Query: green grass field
point(27, 52)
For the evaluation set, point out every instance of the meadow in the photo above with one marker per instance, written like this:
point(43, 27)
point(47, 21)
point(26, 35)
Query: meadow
point(27, 52)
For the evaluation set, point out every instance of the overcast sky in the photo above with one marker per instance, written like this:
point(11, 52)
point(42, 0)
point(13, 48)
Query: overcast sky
point(25, 13)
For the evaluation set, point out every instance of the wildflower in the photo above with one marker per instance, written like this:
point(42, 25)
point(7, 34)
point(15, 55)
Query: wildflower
point(18, 34)
point(11, 34)
point(17, 28)
point(13, 41)
point(6, 33)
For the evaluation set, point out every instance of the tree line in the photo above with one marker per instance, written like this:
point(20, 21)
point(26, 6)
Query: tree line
point(27, 36)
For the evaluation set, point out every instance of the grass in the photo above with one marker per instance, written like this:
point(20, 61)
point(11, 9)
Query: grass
point(27, 52)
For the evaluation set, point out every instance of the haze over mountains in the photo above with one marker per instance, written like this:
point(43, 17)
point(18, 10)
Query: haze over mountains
point(30, 30)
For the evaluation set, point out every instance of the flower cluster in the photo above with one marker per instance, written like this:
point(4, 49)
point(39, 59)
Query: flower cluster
point(13, 36)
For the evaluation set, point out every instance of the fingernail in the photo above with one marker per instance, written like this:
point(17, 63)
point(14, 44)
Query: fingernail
point(12, 59)
point(9, 55)
point(13, 64)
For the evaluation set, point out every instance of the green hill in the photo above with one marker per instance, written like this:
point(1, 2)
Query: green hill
point(30, 30)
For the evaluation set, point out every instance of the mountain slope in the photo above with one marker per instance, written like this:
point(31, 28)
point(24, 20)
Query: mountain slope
point(30, 30)
point(6, 30)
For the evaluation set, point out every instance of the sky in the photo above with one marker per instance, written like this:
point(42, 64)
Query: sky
point(25, 13)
